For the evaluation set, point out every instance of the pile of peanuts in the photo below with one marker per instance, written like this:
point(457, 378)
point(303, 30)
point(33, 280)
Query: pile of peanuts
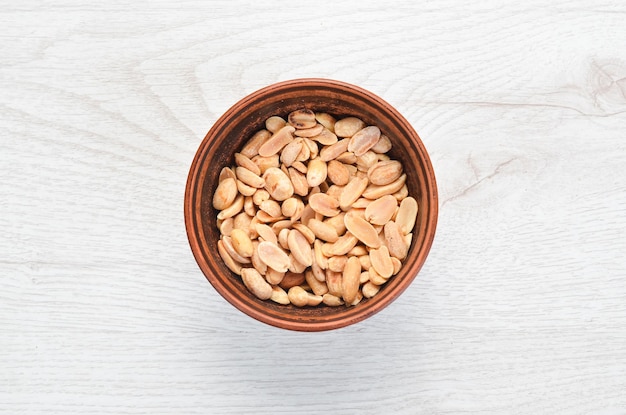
point(314, 211)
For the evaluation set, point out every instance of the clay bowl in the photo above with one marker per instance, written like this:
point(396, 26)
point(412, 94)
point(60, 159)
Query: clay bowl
point(229, 134)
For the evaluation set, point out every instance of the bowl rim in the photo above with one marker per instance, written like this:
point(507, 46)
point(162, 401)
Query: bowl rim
point(340, 321)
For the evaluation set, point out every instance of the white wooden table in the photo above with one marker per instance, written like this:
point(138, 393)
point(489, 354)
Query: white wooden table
point(520, 308)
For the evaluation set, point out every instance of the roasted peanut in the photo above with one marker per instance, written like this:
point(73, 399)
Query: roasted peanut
point(298, 296)
point(332, 300)
point(381, 261)
point(323, 230)
point(299, 182)
point(251, 148)
point(244, 189)
point(299, 247)
point(350, 280)
point(291, 279)
point(374, 191)
point(243, 161)
point(266, 233)
point(242, 243)
point(325, 137)
point(225, 194)
point(309, 132)
point(318, 287)
point(324, 204)
point(256, 283)
point(333, 282)
point(383, 145)
point(363, 140)
point(327, 120)
point(273, 256)
point(277, 141)
point(302, 118)
point(279, 295)
point(353, 190)
point(290, 153)
point(362, 229)
point(380, 211)
point(316, 172)
point(274, 277)
point(274, 123)
point(335, 150)
point(277, 184)
point(337, 263)
point(369, 289)
point(272, 208)
point(407, 213)
point(384, 172)
point(233, 209)
point(338, 173)
point(395, 242)
point(348, 126)
point(233, 265)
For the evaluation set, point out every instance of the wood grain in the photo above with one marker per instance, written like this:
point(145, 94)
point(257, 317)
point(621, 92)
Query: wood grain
point(520, 308)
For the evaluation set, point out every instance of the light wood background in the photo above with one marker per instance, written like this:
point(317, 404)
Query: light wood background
point(520, 308)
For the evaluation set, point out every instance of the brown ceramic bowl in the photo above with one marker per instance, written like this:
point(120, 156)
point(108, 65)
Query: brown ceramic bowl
point(227, 137)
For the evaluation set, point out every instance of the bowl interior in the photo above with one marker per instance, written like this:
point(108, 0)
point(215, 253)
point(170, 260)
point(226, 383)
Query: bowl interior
point(235, 128)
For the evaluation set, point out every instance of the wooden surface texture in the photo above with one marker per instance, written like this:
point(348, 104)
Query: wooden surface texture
point(519, 309)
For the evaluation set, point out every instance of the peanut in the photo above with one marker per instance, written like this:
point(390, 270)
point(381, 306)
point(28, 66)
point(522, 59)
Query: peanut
point(245, 189)
point(256, 283)
point(300, 248)
point(251, 148)
point(225, 194)
point(362, 229)
point(352, 192)
point(279, 295)
point(381, 261)
point(273, 256)
point(350, 280)
point(298, 296)
point(325, 137)
point(332, 300)
point(384, 172)
point(233, 265)
point(277, 141)
point(383, 145)
point(322, 230)
point(394, 239)
point(291, 280)
point(327, 120)
point(348, 126)
point(233, 209)
point(302, 119)
point(324, 204)
point(318, 287)
point(407, 213)
point(290, 153)
point(278, 184)
point(375, 192)
point(242, 243)
point(316, 172)
point(274, 123)
point(310, 132)
point(338, 173)
point(380, 211)
point(244, 161)
point(363, 140)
